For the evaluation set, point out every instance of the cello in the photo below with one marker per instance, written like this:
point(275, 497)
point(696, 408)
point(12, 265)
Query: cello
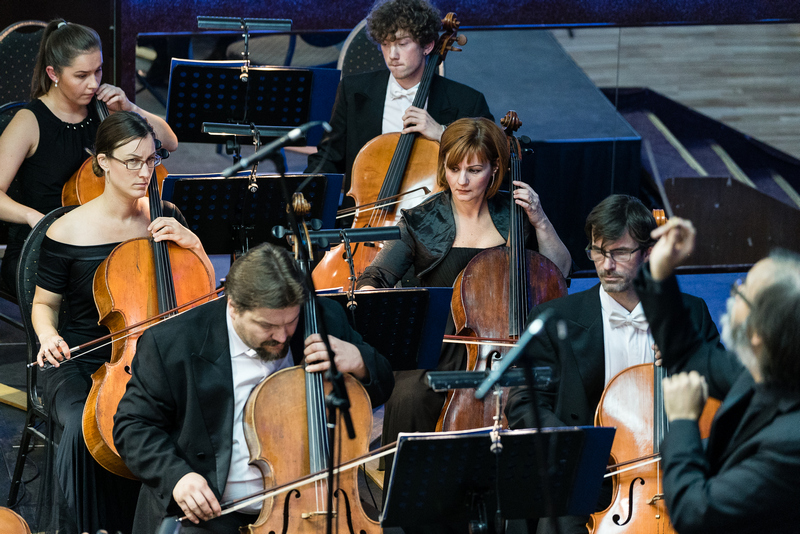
point(633, 403)
point(389, 166)
point(84, 185)
point(491, 299)
point(293, 441)
point(141, 278)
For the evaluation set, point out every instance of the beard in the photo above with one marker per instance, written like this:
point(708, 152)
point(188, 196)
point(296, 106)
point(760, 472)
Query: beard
point(270, 351)
point(621, 285)
point(734, 337)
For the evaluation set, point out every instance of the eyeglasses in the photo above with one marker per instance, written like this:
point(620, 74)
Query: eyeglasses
point(136, 164)
point(736, 292)
point(620, 255)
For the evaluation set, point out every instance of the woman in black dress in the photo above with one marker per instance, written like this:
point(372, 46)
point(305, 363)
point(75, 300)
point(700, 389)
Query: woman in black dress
point(46, 142)
point(89, 497)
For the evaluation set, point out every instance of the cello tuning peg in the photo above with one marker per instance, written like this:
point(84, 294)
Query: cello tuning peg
point(461, 39)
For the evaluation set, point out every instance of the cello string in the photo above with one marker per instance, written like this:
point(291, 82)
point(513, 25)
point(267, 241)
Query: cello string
point(312, 409)
point(394, 175)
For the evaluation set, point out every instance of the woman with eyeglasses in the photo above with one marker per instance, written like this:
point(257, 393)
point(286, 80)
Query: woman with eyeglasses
point(73, 248)
point(46, 142)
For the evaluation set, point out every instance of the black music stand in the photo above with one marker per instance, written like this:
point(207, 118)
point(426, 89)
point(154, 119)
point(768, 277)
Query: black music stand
point(404, 325)
point(444, 477)
point(228, 218)
point(276, 99)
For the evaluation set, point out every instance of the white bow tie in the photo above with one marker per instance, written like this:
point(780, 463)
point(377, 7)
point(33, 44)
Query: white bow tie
point(617, 319)
point(399, 92)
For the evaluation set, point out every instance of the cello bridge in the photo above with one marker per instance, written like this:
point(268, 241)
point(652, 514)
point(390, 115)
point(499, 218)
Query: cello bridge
point(657, 497)
point(312, 515)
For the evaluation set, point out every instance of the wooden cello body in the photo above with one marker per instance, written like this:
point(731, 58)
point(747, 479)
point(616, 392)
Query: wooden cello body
point(389, 168)
point(286, 429)
point(84, 185)
point(633, 403)
point(287, 443)
point(138, 280)
point(491, 299)
point(12, 523)
point(630, 404)
point(480, 307)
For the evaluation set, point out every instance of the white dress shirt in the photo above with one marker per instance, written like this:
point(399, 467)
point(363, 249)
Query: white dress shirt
point(398, 100)
point(626, 336)
point(248, 371)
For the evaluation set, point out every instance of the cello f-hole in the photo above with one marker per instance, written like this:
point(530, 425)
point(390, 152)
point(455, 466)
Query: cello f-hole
point(616, 517)
point(339, 494)
point(296, 495)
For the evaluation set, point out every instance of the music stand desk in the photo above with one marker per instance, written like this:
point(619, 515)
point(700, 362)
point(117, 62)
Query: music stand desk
point(404, 325)
point(437, 475)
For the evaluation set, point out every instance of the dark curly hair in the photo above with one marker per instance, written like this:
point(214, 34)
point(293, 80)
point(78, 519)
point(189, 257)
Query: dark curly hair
point(418, 17)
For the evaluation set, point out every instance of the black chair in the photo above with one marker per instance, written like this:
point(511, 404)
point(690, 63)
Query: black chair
point(19, 44)
point(26, 286)
point(359, 54)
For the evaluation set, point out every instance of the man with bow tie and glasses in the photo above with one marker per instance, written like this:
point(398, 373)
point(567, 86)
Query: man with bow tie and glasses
point(607, 331)
point(374, 103)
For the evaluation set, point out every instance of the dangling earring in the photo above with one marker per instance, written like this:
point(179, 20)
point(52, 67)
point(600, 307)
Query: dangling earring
point(56, 83)
point(494, 174)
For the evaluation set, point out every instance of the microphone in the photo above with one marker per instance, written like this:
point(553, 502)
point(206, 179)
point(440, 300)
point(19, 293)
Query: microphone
point(272, 147)
point(533, 330)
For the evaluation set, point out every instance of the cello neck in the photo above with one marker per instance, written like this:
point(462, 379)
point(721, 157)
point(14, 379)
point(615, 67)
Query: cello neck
point(101, 108)
point(318, 437)
point(660, 424)
point(517, 267)
point(318, 442)
point(165, 286)
point(397, 167)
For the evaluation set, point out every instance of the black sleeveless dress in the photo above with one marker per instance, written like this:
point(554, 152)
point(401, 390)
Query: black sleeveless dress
point(41, 177)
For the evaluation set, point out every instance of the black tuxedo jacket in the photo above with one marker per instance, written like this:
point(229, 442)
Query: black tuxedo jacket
point(578, 363)
point(358, 115)
point(746, 479)
point(176, 416)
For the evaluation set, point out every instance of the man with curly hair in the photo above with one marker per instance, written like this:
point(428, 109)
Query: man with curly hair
point(368, 105)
